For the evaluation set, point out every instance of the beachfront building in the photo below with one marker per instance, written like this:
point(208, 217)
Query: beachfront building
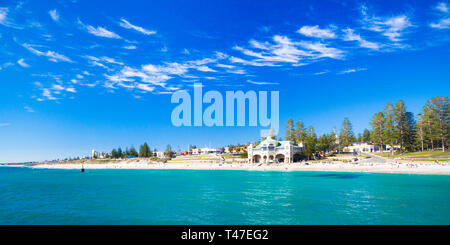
point(205, 151)
point(271, 150)
point(388, 148)
point(159, 154)
point(196, 151)
point(98, 155)
point(208, 150)
point(361, 147)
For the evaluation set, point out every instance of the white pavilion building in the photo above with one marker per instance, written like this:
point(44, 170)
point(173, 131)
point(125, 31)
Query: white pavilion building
point(272, 151)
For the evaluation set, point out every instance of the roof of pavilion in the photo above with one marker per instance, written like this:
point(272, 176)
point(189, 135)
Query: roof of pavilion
point(269, 141)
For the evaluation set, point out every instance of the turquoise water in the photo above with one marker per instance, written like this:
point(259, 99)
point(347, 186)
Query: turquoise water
point(31, 196)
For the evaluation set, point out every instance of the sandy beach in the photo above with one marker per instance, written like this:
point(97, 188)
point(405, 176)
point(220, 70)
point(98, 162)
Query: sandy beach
point(368, 167)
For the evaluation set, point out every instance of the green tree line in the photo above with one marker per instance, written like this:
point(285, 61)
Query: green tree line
point(428, 131)
point(144, 152)
point(394, 126)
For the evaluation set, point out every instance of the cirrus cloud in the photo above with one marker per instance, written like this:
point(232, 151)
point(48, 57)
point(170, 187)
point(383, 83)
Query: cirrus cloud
point(54, 15)
point(315, 31)
point(99, 31)
point(22, 63)
point(125, 24)
point(51, 55)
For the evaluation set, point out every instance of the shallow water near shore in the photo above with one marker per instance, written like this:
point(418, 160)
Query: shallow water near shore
point(52, 196)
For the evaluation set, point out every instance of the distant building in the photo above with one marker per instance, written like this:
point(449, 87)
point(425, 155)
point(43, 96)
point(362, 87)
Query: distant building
point(369, 147)
point(98, 155)
point(388, 147)
point(159, 154)
point(270, 150)
point(207, 150)
point(361, 147)
point(196, 151)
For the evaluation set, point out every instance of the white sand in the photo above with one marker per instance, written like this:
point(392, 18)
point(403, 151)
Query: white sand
point(422, 168)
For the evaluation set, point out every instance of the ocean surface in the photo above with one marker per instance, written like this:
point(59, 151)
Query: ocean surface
point(42, 196)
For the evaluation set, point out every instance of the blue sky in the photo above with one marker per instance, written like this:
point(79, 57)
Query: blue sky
point(82, 75)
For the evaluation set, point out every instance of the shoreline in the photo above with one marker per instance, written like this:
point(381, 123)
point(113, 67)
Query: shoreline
point(393, 168)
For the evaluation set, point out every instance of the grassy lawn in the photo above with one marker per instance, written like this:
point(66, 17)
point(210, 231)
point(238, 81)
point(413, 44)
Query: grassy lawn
point(419, 156)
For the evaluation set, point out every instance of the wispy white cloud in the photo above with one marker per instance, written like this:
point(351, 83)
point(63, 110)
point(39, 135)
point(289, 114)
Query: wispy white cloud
point(125, 24)
point(225, 66)
point(145, 87)
point(260, 45)
point(51, 55)
point(315, 31)
point(57, 87)
point(391, 27)
point(5, 65)
point(47, 94)
point(350, 35)
point(299, 64)
point(210, 78)
point(3, 13)
point(110, 60)
point(442, 24)
point(173, 68)
point(321, 72)
point(148, 75)
point(22, 63)
point(203, 61)
point(100, 61)
point(205, 69)
point(99, 31)
point(261, 83)
point(281, 50)
point(443, 7)
point(154, 78)
point(71, 89)
point(321, 50)
point(55, 91)
point(54, 15)
point(4, 20)
point(352, 70)
point(236, 71)
point(285, 50)
point(249, 62)
point(444, 12)
point(5, 124)
point(130, 47)
point(221, 55)
point(102, 32)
